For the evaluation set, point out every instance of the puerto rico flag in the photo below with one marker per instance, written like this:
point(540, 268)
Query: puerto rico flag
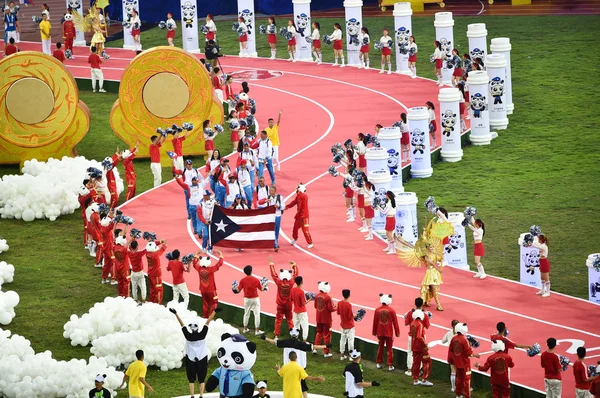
point(27, 2)
point(243, 229)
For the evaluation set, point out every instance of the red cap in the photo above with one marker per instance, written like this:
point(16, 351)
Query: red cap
point(244, 161)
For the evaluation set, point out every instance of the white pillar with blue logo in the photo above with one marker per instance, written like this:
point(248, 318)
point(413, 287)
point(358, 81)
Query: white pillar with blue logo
point(303, 29)
point(402, 31)
point(376, 158)
point(450, 124)
point(496, 69)
point(407, 224)
point(381, 180)
point(79, 35)
point(389, 138)
point(477, 34)
point(246, 11)
point(189, 26)
point(420, 156)
point(529, 264)
point(444, 33)
point(353, 25)
point(501, 45)
point(593, 264)
point(479, 109)
point(455, 252)
point(128, 7)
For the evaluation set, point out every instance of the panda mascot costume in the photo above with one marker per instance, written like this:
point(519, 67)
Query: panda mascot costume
point(385, 326)
point(324, 307)
point(69, 33)
point(285, 282)
point(236, 355)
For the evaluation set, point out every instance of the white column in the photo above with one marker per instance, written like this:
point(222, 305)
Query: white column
point(128, 7)
point(477, 35)
point(529, 264)
point(420, 156)
point(353, 24)
point(455, 252)
point(304, 29)
point(403, 30)
point(480, 118)
point(593, 278)
point(79, 36)
point(496, 68)
point(444, 33)
point(389, 138)
point(501, 45)
point(407, 224)
point(246, 10)
point(376, 158)
point(450, 124)
point(381, 179)
point(189, 26)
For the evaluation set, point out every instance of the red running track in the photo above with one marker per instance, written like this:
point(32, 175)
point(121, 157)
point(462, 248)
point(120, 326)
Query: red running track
point(323, 105)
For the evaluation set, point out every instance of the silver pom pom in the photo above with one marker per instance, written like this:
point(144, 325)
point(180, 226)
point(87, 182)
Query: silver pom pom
point(218, 128)
point(162, 25)
point(535, 230)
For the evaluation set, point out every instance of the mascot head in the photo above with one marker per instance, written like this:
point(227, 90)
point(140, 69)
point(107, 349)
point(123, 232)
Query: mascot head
point(285, 274)
point(83, 190)
point(498, 346)
point(205, 262)
point(385, 299)
point(121, 240)
point(126, 153)
point(68, 17)
point(301, 188)
point(151, 247)
point(418, 314)
point(461, 328)
point(324, 287)
point(236, 352)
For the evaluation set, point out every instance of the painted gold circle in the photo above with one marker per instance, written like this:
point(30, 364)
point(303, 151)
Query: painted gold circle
point(30, 100)
point(166, 95)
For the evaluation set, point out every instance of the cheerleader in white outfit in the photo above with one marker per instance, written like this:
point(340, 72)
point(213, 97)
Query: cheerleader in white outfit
point(389, 210)
point(361, 149)
point(338, 45)
point(367, 193)
point(171, 29)
point(212, 28)
point(386, 52)
point(541, 242)
point(316, 42)
point(291, 44)
point(446, 341)
point(243, 37)
point(478, 250)
point(136, 26)
point(432, 123)
point(365, 41)
point(412, 56)
point(272, 37)
point(438, 60)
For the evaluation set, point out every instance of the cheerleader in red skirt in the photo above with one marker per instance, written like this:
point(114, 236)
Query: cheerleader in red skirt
point(541, 242)
point(389, 210)
point(209, 143)
point(432, 123)
point(461, 105)
point(479, 250)
point(291, 44)
point(212, 28)
point(405, 139)
point(171, 29)
point(367, 192)
point(438, 60)
point(362, 150)
point(235, 136)
point(242, 115)
point(136, 30)
point(412, 56)
point(228, 89)
point(458, 71)
point(365, 41)
point(316, 42)
point(349, 196)
point(338, 45)
point(243, 37)
point(272, 37)
point(386, 52)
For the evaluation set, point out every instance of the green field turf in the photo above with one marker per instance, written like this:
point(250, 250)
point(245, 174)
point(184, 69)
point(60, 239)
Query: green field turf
point(544, 169)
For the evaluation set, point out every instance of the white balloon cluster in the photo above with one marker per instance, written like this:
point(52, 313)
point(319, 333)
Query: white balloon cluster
point(3, 245)
point(46, 189)
point(117, 327)
point(8, 300)
point(25, 374)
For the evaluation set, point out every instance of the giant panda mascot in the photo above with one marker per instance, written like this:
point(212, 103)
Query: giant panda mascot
point(236, 355)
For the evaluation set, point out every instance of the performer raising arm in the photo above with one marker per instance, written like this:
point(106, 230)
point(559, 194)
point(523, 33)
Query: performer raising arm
point(284, 281)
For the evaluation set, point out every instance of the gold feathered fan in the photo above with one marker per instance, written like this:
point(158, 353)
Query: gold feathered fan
point(85, 23)
point(414, 255)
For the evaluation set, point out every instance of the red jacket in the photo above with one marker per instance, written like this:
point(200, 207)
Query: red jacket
point(82, 199)
point(508, 344)
point(97, 197)
point(122, 264)
point(135, 258)
point(153, 259)
point(595, 387)
point(408, 319)
point(108, 237)
point(299, 300)
point(417, 336)
point(68, 28)
point(176, 267)
point(459, 352)
point(301, 200)
point(551, 365)
point(111, 182)
point(581, 375)
point(498, 363)
point(385, 322)
point(344, 310)
point(284, 288)
point(324, 307)
point(129, 169)
point(94, 228)
point(207, 276)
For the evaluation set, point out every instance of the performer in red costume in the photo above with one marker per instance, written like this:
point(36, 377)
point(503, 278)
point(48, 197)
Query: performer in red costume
point(122, 264)
point(284, 282)
point(324, 307)
point(128, 156)
point(301, 218)
point(408, 318)
point(85, 199)
point(459, 355)
point(111, 183)
point(420, 351)
point(385, 326)
point(108, 268)
point(498, 363)
point(154, 251)
point(138, 279)
point(208, 287)
point(68, 32)
point(94, 229)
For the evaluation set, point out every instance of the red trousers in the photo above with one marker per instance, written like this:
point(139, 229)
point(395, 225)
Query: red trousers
point(85, 230)
point(418, 358)
point(500, 391)
point(209, 303)
point(69, 44)
point(463, 382)
point(323, 334)
point(114, 199)
point(123, 280)
point(130, 187)
point(156, 290)
point(301, 223)
point(109, 263)
point(387, 341)
point(283, 310)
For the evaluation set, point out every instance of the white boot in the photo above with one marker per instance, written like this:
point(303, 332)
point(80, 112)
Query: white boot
point(343, 65)
point(382, 68)
point(364, 227)
point(351, 216)
point(360, 64)
point(414, 71)
point(481, 271)
point(546, 288)
point(369, 236)
point(389, 68)
point(273, 54)
point(368, 64)
point(391, 248)
point(291, 58)
point(316, 56)
point(320, 58)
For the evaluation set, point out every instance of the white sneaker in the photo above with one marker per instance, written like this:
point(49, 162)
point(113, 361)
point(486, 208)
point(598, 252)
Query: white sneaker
point(360, 66)
point(390, 368)
point(452, 389)
point(319, 62)
point(102, 90)
point(259, 333)
point(540, 293)
point(413, 77)
point(482, 276)
point(381, 71)
point(334, 64)
point(416, 383)
point(386, 249)
point(327, 355)
point(342, 65)
point(114, 282)
point(343, 357)
point(477, 275)
point(378, 366)
point(289, 59)
point(293, 242)
point(362, 229)
point(246, 330)
point(350, 219)
point(98, 265)
point(310, 246)
point(369, 237)
point(426, 383)
point(294, 60)
point(547, 294)
point(94, 90)
point(389, 72)
point(314, 351)
point(104, 281)
point(408, 373)
point(93, 254)
point(391, 251)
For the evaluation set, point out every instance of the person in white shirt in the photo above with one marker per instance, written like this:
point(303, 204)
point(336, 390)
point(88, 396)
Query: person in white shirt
point(291, 44)
point(243, 37)
point(265, 155)
point(316, 42)
point(432, 123)
point(46, 10)
point(446, 341)
point(368, 193)
point(541, 242)
point(412, 56)
point(136, 30)
point(171, 29)
point(234, 190)
point(478, 229)
point(262, 193)
point(389, 210)
point(272, 36)
point(365, 41)
point(245, 181)
point(193, 190)
point(249, 155)
point(438, 59)
point(386, 51)
point(189, 173)
point(212, 28)
point(274, 199)
point(338, 45)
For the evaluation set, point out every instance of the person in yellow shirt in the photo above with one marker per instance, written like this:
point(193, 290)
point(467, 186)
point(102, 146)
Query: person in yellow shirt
point(45, 33)
point(136, 373)
point(292, 374)
point(273, 135)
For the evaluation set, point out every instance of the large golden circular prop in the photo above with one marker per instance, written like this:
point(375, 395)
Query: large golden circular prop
point(40, 112)
point(162, 86)
point(166, 95)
